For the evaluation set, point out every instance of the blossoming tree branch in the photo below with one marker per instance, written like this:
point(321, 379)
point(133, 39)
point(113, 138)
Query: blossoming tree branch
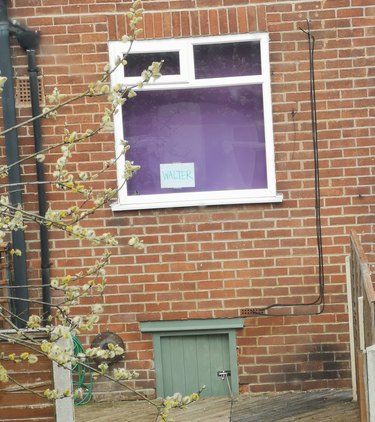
point(64, 323)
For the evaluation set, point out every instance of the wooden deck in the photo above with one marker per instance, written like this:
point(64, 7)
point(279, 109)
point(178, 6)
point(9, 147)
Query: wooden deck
point(314, 406)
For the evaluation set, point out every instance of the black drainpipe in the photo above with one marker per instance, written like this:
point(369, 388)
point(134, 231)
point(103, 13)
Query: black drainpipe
point(44, 247)
point(29, 41)
point(20, 289)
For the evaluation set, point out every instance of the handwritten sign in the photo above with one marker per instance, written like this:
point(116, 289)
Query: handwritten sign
point(177, 175)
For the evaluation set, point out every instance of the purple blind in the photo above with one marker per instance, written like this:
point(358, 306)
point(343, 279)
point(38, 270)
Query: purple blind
point(220, 130)
point(227, 59)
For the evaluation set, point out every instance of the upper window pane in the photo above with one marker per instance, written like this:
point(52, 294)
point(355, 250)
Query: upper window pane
point(138, 62)
point(227, 59)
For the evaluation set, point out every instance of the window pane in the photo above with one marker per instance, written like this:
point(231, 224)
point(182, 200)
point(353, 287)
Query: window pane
point(216, 133)
point(227, 59)
point(138, 62)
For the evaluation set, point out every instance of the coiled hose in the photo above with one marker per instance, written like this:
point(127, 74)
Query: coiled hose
point(82, 376)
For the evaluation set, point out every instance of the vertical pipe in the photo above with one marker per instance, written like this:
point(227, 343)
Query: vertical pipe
point(42, 202)
point(353, 363)
point(19, 289)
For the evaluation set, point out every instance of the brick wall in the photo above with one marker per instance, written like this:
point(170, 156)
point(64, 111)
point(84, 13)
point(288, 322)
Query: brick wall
point(212, 262)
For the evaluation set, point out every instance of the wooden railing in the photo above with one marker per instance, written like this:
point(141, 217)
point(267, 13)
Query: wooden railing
point(5, 271)
point(361, 304)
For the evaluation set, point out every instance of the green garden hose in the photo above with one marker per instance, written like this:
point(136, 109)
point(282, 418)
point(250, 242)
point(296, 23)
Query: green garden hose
point(82, 376)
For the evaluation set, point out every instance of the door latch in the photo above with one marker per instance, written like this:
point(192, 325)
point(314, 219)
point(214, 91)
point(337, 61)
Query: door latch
point(223, 374)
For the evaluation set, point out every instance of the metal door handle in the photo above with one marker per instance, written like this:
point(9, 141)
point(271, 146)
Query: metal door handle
point(223, 374)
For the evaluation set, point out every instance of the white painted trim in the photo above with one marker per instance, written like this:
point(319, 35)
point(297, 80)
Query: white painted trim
point(183, 200)
point(191, 325)
point(186, 80)
point(62, 378)
point(371, 381)
point(361, 324)
point(351, 328)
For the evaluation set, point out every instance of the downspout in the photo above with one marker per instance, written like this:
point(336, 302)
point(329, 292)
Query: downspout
point(20, 289)
point(42, 201)
point(29, 41)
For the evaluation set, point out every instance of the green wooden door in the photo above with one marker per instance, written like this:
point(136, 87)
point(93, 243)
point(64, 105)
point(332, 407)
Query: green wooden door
point(190, 361)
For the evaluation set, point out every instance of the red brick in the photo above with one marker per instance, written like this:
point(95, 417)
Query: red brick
point(204, 22)
point(223, 21)
point(176, 24)
point(261, 18)
point(185, 24)
point(214, 23)
point(148, 25)
point(182, 4)
point(232, 20)
point(242, 19)
point(208, 3)
point(194, 19)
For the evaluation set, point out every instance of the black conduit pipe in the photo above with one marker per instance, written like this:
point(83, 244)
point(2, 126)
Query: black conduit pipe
point(19, 290)
point(44, 248)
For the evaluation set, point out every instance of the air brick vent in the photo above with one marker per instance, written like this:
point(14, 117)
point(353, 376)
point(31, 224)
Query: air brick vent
point(23, 97)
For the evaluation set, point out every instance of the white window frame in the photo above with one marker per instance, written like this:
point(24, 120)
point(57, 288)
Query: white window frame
point(187, 80)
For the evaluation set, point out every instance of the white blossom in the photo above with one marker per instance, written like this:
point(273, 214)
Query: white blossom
point(3, 79)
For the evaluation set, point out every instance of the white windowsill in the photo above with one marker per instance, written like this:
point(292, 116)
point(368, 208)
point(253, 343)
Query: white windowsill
point(163, 203)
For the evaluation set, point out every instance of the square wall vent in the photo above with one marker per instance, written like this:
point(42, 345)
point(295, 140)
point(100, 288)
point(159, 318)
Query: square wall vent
point(23, 96)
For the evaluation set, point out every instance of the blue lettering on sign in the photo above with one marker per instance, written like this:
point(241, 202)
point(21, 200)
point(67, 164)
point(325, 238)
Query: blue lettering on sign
point(177, 175)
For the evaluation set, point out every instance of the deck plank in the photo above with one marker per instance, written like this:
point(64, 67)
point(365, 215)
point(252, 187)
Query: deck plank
point(313, 406)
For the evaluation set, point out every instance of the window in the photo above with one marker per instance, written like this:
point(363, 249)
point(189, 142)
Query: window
point(202, 133)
